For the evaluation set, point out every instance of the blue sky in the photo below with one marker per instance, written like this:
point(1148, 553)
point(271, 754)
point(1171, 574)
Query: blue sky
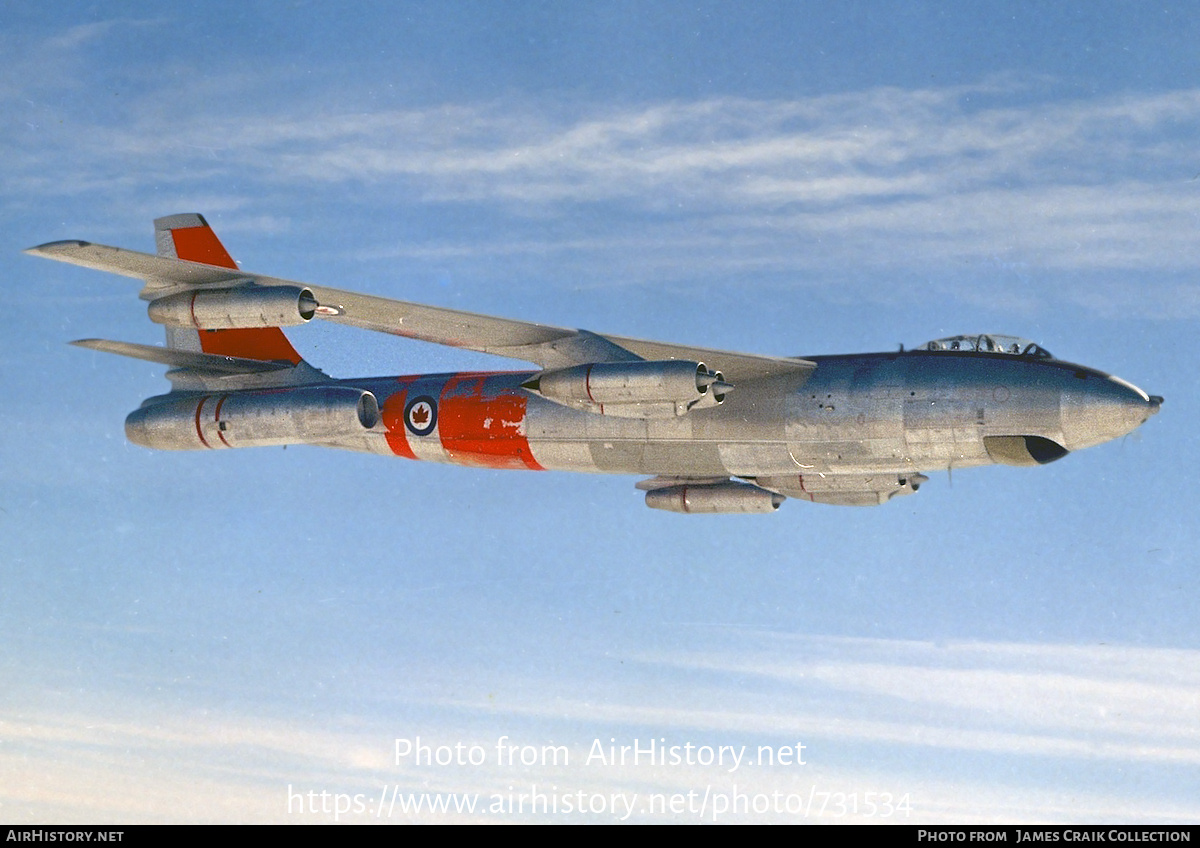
point(188, 635)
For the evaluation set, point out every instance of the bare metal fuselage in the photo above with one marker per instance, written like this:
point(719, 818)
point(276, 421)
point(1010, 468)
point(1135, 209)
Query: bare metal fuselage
point(886, 413)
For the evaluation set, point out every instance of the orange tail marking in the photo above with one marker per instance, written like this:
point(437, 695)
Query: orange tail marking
point(200, 244)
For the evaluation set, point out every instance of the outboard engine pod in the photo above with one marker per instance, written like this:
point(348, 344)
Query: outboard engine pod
point(243, 307)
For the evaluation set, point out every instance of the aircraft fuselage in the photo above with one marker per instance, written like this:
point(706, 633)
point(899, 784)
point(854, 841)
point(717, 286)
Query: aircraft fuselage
point(856, 414)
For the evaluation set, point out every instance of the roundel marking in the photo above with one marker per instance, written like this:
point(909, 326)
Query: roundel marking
point(420, 415)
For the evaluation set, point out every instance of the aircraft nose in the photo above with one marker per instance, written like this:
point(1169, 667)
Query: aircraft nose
point(1103, 408)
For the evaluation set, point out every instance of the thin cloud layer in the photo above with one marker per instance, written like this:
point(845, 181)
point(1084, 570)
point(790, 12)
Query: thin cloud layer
point(888, 178)
point(1101, 702)
point(1080, 709)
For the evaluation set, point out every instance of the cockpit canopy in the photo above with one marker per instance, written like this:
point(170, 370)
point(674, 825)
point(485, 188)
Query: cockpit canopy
point(989, 343)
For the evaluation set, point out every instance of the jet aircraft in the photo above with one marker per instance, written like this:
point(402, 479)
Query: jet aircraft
point(714, 431)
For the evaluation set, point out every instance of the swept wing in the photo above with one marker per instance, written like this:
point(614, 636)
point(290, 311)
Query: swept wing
point(547, 346)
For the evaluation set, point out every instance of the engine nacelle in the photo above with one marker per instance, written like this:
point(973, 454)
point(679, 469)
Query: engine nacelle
point(726, 496)
point(253, 419)
point(239, 308)
point(633, 389)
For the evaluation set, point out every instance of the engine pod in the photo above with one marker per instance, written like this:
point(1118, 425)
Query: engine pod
point(253, 419)
point(239, 308)
point(670, 381)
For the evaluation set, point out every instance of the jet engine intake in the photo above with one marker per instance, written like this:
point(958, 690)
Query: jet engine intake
point(1022, 450)
point(242, 307)
point(253, 419)
point(633, 389)
point(728, 496)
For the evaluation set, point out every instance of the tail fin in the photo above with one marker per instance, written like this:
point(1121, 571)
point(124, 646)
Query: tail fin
point(189, 237)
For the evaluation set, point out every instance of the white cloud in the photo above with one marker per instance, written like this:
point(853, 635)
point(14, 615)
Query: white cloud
point(1080, 712)
point(1102, 183)
point(927, 182)
point(1101, 702)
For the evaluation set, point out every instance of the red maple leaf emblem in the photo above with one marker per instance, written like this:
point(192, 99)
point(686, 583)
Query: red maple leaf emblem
point(420, 415)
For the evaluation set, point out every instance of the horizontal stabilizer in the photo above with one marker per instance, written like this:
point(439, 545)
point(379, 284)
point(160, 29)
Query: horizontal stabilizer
point(184, 358)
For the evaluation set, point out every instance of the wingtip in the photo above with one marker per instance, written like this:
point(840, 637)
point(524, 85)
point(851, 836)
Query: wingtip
point(52, 247)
